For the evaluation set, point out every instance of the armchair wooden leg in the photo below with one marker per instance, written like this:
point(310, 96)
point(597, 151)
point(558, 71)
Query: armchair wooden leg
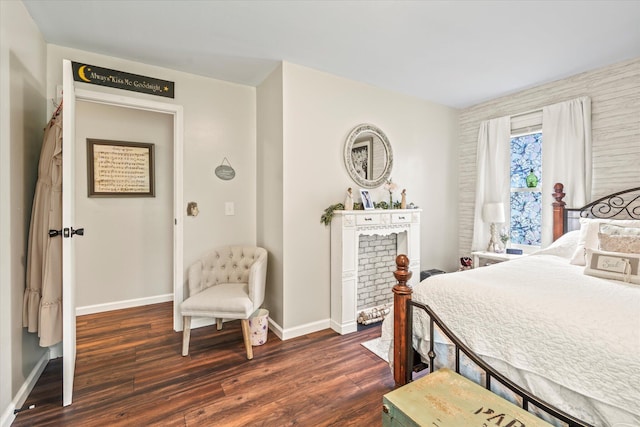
point(219, 323)
point(247, 339)
point(186, 335)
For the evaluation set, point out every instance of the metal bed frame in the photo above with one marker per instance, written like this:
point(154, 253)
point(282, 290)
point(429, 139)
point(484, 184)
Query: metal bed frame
point(621, 205)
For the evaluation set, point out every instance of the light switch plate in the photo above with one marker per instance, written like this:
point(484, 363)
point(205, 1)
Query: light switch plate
point(229, 208)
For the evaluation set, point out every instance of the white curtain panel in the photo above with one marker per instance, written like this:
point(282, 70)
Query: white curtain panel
point(492, 179)
point(566, 157)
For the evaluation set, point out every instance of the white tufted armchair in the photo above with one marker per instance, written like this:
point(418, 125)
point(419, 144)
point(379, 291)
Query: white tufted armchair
point(226, 283)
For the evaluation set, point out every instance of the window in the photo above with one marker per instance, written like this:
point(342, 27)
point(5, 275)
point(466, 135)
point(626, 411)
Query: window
point(526, 197)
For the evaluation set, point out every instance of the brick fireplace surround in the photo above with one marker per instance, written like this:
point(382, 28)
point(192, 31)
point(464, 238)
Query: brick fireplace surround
point(346, 229)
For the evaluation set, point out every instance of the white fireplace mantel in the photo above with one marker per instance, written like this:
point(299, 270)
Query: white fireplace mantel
point(346, 228)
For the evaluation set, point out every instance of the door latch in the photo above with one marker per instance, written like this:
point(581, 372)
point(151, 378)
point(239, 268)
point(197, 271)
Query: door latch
point(66, 232)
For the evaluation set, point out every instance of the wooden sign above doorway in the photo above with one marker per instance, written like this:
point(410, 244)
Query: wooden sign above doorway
point(120, 80)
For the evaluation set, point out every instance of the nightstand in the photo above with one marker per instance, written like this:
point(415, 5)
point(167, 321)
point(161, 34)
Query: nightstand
point(493, 257)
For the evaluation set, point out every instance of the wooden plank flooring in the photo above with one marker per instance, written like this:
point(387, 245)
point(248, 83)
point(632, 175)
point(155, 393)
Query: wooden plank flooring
point(129, 372)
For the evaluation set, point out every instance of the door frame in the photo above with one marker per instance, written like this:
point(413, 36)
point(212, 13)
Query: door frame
point(177, 111)
point(70, 97)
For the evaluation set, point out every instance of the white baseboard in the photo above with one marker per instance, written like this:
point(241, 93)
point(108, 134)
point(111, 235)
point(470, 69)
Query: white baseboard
point(118, 305)
point(8, 415)
point(276, 329)
point(286, 334)
point(198, 322)
point(55, 351)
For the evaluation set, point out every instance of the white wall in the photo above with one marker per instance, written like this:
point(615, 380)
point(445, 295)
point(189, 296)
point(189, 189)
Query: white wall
point(219, 121)
point(615, 116)
point(270, 187)
point(319, 111)
point(22, 119)
point(127, 248)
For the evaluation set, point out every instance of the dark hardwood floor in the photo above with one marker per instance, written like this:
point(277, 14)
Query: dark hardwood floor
point(129, 371)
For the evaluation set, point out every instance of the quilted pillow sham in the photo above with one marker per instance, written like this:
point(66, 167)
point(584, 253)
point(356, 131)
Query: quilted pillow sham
point(589, 229)
point(619, 243)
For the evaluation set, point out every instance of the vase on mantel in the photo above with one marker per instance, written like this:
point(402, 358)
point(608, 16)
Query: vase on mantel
point(390, 201)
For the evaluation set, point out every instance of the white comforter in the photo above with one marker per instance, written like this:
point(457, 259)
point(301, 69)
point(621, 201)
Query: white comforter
point(571, 339)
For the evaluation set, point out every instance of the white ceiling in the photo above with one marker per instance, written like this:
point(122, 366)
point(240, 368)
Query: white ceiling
point(456, 53)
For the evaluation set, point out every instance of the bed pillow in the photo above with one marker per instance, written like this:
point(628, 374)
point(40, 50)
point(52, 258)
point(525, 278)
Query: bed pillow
point(589, 229)
point(619, 243)
point(613, 265)
point(617, 230)
point(563, 247)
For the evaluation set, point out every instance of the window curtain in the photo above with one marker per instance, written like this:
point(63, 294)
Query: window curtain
point(566, 157)
point(492, 174)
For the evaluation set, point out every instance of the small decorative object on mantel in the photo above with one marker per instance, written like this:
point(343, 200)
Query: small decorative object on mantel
point(348, 201)
point(367, 202)
point(532, 179)
point(390, 186)
point(403, 201)
point(225, 172)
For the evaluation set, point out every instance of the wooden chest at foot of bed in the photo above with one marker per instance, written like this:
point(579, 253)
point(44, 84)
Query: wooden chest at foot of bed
point(446, 399)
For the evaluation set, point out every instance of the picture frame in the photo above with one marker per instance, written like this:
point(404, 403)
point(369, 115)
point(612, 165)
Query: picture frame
point(362, 157)
point(120, 168)
point(367, 201)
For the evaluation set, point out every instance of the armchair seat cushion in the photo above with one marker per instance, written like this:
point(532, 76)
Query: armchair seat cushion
point(225, 301)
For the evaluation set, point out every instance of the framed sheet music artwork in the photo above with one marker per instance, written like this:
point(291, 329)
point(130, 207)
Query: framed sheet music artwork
point(120, 169)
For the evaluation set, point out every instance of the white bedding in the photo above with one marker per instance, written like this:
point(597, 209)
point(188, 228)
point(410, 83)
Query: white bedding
point(570, 339)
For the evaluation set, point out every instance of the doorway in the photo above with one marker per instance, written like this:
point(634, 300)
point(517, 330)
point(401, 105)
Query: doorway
point(126, 254)
point(176, 114)
point(71, 96)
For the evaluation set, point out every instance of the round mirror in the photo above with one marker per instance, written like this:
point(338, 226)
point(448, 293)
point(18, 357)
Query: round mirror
point(368, 156)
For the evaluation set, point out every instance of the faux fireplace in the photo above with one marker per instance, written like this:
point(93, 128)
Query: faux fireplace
point(346, 229)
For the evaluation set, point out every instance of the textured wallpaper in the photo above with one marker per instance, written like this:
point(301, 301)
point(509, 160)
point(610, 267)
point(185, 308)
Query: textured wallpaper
point(615, 105)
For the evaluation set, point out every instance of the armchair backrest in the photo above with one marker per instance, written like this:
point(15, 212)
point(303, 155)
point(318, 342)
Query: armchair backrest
point(231, 264)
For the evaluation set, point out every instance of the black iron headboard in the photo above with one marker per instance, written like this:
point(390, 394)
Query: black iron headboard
point(621, 205)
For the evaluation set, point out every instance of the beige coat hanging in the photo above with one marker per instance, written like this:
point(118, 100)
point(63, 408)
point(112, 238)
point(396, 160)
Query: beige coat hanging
point(42, 308)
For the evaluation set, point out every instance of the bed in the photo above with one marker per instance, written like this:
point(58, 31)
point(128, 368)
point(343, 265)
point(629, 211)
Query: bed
point(537, 330)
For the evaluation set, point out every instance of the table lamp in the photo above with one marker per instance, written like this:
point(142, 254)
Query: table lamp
point(493, 213)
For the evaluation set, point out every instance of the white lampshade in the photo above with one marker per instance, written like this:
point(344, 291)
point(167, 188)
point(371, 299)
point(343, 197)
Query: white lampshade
point(493, 212)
